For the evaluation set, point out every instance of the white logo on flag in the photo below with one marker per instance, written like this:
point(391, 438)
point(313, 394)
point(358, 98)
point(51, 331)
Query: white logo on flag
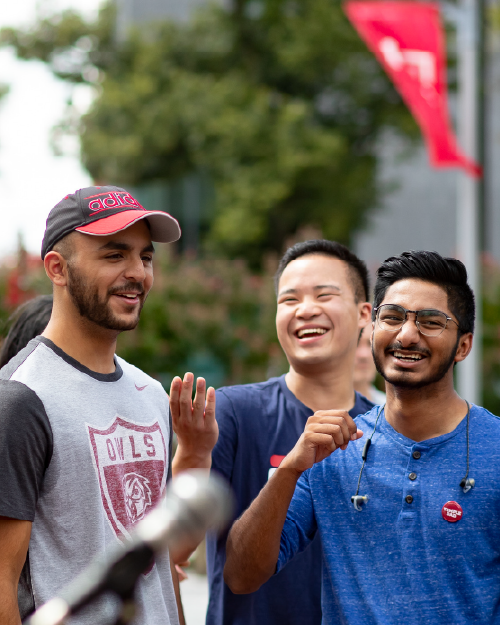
point(421, 62)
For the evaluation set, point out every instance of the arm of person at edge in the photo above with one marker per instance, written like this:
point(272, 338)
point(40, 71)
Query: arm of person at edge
point(14, 541)
point(253, 544)
point(194, 423)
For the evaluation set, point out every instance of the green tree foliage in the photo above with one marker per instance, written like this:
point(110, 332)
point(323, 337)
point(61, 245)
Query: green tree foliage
point(212, 317)
point(279, 101)
point(68, 43)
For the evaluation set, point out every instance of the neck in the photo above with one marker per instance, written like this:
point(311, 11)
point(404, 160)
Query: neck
point(92, 346)
point(427, 412)
point(364, 388)
point(330, 389)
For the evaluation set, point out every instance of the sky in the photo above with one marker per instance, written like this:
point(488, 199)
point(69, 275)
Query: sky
point(32, 178)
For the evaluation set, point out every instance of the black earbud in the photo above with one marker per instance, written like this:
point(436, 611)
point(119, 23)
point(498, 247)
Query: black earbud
point(358, 501)
point(467, 483)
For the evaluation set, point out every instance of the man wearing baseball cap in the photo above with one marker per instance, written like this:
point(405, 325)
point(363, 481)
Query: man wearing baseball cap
point(85, 437)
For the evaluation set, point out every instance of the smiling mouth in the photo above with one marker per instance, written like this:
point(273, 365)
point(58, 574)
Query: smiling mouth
point(128, 296)
point(310, 332)
point(410, 357)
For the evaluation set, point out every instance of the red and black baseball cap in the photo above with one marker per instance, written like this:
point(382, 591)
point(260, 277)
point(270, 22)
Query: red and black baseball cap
point(101, 211)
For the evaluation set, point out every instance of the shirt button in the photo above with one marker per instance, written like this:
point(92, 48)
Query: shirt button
point(412, 476)
point(416, 455)
point(409, 499)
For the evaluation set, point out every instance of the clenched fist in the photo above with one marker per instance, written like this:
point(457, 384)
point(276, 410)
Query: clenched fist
point(325, 431)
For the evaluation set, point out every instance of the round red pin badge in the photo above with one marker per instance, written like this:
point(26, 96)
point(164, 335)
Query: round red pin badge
point(452, 511)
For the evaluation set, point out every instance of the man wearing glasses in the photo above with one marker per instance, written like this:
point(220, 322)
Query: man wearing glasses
point(408, 513)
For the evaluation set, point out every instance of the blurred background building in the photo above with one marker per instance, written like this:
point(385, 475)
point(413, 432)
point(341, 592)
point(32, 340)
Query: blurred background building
point(134, 12)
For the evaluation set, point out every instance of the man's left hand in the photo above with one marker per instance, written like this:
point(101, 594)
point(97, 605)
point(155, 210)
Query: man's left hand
point(193, 422)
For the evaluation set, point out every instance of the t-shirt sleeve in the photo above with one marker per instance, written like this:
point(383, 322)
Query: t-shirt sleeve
point(300, 524)
point(25, 449)
point(224, 451)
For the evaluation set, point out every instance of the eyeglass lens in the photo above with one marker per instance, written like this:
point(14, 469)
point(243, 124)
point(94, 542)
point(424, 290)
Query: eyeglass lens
point(430, 322)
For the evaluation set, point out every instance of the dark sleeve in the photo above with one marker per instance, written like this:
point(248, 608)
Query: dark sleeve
point(25, 449)
point(225, 449)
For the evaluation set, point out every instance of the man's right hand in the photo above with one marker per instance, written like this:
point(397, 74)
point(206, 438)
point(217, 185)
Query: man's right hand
point(193, 422)
point(325, 431)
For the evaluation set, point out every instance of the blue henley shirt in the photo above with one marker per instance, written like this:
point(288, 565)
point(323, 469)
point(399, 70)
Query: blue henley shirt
point(398, 560)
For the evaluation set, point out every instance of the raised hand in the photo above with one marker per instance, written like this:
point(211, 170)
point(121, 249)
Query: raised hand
point(193, 422)
point(325, 431)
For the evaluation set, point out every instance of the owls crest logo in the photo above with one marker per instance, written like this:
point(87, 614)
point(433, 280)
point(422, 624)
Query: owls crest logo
point(130, 460)
point(137, 496)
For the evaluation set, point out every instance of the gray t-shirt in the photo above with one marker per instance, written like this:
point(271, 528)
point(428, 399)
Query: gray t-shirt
point(84, 456)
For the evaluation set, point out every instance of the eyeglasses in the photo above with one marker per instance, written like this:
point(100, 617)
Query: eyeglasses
point(430, 322)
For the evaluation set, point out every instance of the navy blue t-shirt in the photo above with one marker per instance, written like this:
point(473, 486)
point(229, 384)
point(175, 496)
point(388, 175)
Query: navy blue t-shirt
point(259, 424)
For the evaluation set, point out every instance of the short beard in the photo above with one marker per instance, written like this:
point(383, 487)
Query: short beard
point(86, 299)
point(402, 382)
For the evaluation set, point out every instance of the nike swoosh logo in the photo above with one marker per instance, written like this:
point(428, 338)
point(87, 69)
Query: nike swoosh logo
point(140, 388)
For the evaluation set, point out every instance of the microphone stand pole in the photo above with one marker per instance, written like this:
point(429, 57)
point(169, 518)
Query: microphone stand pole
point(195, 502)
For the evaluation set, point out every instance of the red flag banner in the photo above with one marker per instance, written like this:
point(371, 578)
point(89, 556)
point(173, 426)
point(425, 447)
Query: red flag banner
point(407, 38)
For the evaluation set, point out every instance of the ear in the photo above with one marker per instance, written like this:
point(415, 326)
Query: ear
point(365, 314)
point(464, 347)
point(373, 330)
point(56, 268)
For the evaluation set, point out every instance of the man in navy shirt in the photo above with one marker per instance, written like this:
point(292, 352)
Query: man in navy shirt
point(410, 525)
point(322, 291)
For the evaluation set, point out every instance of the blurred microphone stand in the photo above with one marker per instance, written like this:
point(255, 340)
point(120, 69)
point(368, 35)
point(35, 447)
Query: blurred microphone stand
point(195, 503)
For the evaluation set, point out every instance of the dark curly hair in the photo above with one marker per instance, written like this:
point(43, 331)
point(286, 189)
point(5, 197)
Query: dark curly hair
point(28, 321)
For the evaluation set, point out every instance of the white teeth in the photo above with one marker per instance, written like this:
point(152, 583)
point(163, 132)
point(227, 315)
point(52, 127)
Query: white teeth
point(306, 331)
point(407, 356)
